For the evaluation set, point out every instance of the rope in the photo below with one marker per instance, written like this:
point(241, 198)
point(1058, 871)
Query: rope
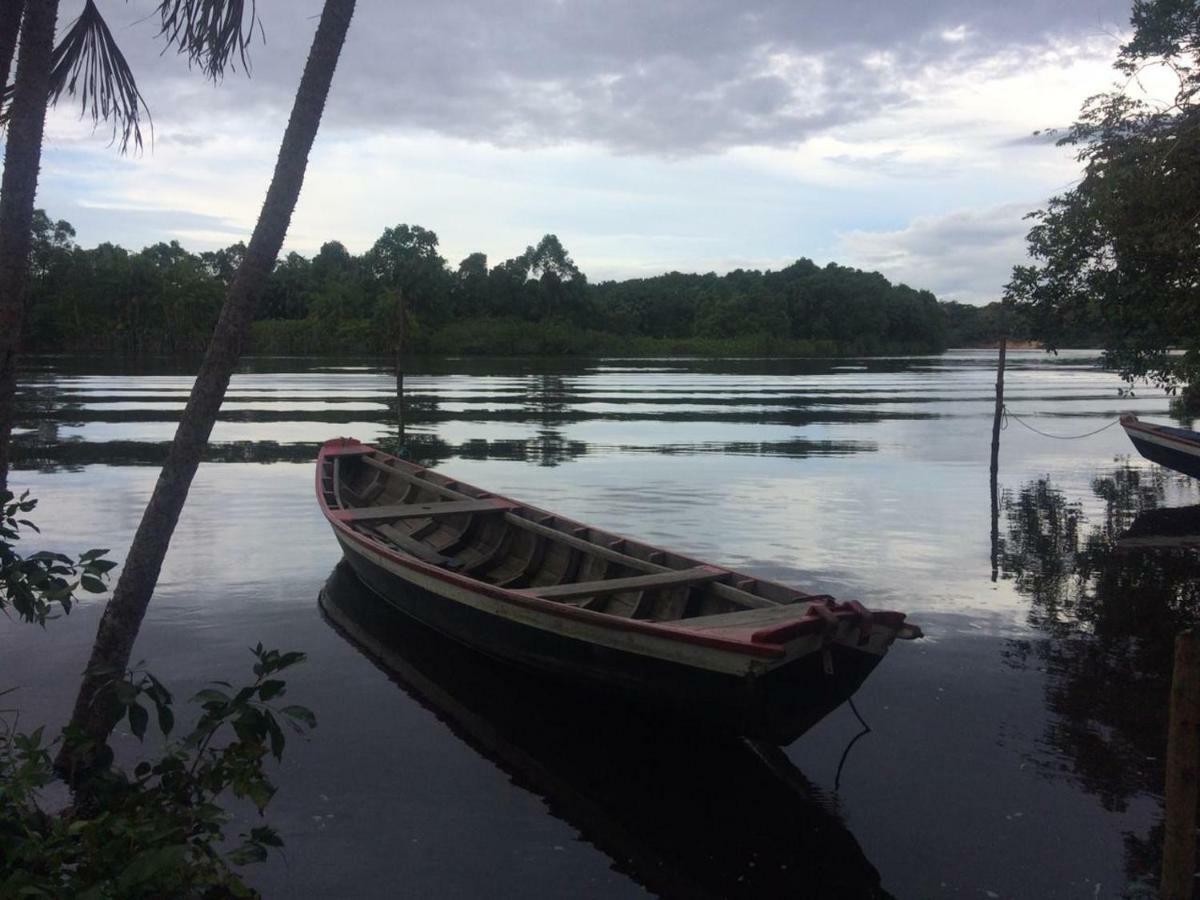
point(837, 778)
point(1058, 437)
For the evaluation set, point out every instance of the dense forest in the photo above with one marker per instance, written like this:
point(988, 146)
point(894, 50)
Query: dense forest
point(165, 299)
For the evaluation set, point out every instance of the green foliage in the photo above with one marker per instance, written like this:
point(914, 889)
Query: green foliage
point(31, 585)
point(1120, 248)
point(165, 300)
point(159, 831)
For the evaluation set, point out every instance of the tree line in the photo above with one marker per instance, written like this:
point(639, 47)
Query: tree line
point(165, 299)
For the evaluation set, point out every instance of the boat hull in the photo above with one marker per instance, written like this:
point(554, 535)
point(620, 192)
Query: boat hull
point(776, 705)
point(1175, 448)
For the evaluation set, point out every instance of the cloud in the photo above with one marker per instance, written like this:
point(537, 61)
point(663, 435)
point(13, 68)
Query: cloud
point(672, 78)
point(966, 255)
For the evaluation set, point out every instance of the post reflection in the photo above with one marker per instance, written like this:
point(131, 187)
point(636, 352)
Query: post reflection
point(1109, 613)
point(681, 814)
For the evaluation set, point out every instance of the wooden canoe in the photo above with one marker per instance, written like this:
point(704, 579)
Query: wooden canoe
point(551, 594)
point(1175, 448)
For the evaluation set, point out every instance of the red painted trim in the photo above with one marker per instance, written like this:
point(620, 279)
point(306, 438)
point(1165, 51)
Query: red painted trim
point(767, 643)
point(1138, 425)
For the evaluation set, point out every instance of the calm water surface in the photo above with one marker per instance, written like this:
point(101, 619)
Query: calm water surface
point(1015, 752)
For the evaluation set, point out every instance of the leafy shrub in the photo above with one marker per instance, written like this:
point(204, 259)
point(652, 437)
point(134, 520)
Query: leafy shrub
point(159, 832)
point(31, 585)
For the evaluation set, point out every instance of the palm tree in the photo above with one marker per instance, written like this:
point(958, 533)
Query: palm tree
point(88, 64)
point(22, 157)
point(10, 25)
point(94, 713)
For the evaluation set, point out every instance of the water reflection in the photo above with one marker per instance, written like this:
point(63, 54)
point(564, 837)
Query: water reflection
point(68, 419)
point(682, 816)
point(1109, 610)
point(545, 412)
point(1163, 529)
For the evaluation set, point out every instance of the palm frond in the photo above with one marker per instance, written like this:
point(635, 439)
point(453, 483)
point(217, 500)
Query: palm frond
point(213, 34)
point(89, 65)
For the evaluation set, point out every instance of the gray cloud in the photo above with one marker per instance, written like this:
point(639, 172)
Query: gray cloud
point(965, 255)
point(143, 226)
point(665, 78)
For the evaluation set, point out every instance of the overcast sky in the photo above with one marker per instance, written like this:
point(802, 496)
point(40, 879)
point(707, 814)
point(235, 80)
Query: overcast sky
point(649, 135)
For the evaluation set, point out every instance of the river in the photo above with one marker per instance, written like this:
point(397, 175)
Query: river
point(1014, 752)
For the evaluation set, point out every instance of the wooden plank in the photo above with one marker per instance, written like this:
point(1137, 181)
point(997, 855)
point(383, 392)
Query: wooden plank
point(415, 479)
point(697, 575)
point(421, 510)
point(579, 543)
point(742, 598)
point(412, 547)
point(786, 612)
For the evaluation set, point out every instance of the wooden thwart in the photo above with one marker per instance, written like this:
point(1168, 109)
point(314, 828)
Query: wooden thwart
point(422, 510)
point(698, 575)
point(392, 535)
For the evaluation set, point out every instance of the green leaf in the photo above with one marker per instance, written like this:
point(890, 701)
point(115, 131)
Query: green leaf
point(276, 735)
point(150, 864)
point(93, 584)
point(301, 714)
point(290, 659)
point(138, 718)
point(248, 853)
point(266, 835)
point(270, 689)
point(166, 718)
point(125, 692)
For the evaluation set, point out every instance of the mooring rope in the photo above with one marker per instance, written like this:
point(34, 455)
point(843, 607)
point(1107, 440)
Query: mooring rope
point(1005, 413)
point(837, 778)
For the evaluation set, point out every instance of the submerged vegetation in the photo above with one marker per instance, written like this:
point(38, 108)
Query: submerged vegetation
point(165, 299)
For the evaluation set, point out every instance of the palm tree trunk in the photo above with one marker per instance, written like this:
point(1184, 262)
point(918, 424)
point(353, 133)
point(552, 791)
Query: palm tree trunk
point(10, 26)
point(22, 158)
point(94, 710)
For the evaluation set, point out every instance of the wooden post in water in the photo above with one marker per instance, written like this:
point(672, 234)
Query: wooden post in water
point(1183, 760)
point(999, 406)
point(994, 485)
point(400, 369)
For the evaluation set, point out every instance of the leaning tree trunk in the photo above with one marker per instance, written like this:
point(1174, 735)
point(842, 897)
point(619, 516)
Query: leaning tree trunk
point(22, 158)
point(94, 708)
point(10, 26)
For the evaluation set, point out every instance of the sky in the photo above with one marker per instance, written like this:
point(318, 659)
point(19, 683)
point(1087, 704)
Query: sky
point(649, 135)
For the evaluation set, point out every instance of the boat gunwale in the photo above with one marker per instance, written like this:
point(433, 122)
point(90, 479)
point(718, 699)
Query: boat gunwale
point(808, 623)
point(1162, 432)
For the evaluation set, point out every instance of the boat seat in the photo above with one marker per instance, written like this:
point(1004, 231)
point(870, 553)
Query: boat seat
point(748, 617)
point(696, 575)
point(421, 510)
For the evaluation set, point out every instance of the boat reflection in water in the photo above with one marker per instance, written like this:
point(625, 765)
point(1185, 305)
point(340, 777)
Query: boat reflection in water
point(682, 813)
point(1165, 529)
